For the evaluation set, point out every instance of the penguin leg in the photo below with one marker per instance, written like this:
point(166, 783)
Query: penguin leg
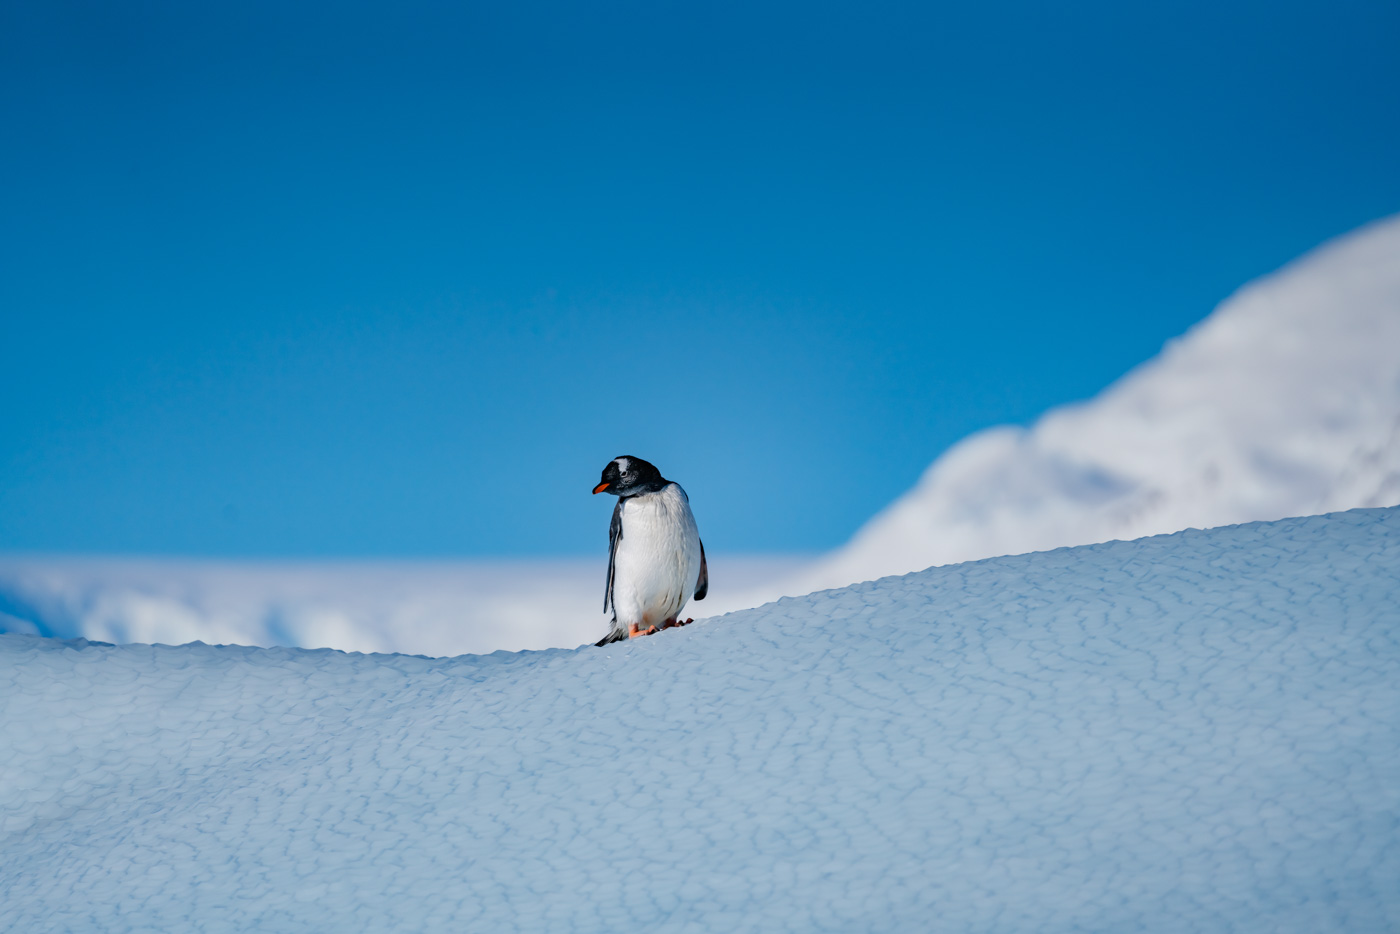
point(634, 631)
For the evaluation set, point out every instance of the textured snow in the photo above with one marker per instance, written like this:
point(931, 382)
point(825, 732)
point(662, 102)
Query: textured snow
point(1284, 402)
point(1196, 732)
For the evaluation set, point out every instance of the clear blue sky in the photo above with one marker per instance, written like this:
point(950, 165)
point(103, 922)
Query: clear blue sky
point(399, 280)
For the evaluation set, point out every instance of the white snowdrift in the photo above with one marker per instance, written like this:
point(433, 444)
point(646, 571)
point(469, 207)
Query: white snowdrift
point(1198, 732)
point(1284, 402)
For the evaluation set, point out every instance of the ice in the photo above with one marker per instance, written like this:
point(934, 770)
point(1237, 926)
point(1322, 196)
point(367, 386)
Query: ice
point(1195, 732)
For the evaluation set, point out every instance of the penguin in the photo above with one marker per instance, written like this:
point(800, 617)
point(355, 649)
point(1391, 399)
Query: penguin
point(656, 560)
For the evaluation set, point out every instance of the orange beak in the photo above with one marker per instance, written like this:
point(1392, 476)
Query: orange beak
point(601, 487)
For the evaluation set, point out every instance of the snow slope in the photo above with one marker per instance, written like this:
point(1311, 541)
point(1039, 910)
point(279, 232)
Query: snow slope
point(1284, 402)
point(1195, 732)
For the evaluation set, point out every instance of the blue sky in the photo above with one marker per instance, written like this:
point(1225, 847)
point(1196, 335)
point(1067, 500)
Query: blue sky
point(398, 280)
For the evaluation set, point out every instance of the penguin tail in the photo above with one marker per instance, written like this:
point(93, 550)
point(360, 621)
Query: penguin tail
point(617, 635)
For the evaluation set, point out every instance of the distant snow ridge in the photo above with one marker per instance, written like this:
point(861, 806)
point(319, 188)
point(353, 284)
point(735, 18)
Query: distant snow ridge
point(1284, 402)
point(417, 607)
point(1197, 732)
point(425, 607)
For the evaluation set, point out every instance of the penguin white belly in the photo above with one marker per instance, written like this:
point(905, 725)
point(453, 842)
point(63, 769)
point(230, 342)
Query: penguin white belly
point(657, 565)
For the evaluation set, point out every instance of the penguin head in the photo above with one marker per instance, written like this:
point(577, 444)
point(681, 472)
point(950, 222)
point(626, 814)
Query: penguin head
point(626, 476)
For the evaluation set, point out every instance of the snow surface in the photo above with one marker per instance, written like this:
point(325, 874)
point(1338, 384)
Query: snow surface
point(1284, 402)
point(1196, 732)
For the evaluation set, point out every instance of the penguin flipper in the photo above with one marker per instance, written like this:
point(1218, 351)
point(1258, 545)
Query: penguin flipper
point(614, 536)
point(702, 585)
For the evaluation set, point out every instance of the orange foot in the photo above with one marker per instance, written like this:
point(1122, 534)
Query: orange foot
point(633, 632)
point(676, 622)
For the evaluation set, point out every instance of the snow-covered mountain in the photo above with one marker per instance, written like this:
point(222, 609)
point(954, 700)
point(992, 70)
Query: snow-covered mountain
point(1197, 732)
point(1284, 402)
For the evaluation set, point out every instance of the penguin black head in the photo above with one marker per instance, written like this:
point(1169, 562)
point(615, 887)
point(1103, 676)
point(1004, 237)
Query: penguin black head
point(628, 476)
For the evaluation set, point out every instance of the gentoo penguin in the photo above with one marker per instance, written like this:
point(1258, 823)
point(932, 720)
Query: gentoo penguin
point(655, 557)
